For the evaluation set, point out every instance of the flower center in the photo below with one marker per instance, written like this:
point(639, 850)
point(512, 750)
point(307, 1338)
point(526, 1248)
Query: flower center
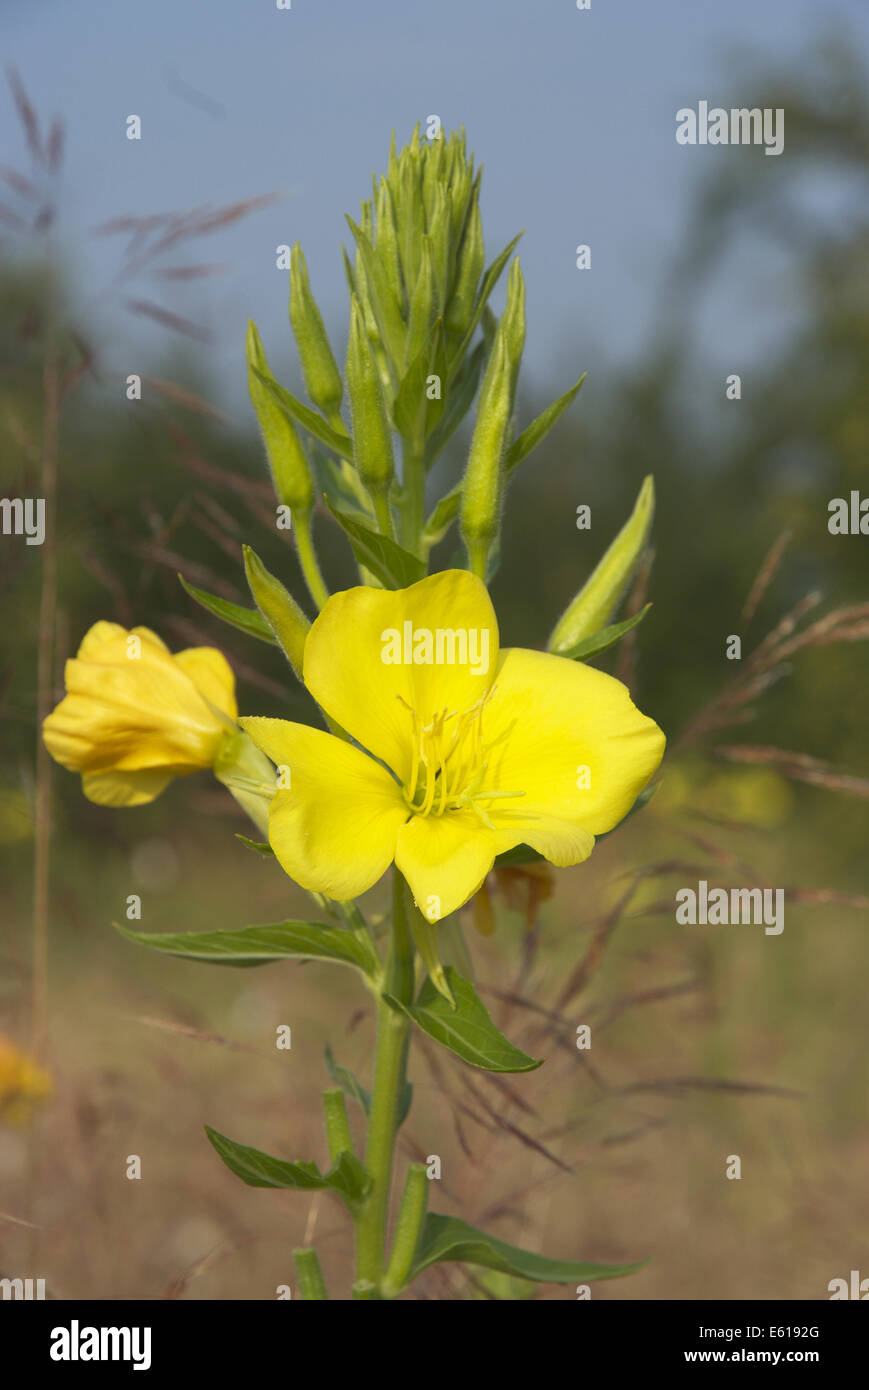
point(448, 765)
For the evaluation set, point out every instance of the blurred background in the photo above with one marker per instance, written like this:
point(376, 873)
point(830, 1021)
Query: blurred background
point(262, 126)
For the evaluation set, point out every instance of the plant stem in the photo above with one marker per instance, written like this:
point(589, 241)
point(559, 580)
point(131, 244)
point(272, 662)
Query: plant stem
point(383, 513)
point(410, 1218)
point(308, 558)
point(337, 1125)
point(393, 1029)
point(311, 1281)
point(413, 488)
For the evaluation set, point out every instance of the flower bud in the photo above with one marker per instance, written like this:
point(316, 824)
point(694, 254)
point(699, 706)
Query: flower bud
point(135, 716)
point(288, 462)
point(322, 377)
point(600, 595)
point(513, 322)
point(423, 305)
point(386, 244)
point(279, 608)
point(372, 439)
point(483, 484)
point(471, 260)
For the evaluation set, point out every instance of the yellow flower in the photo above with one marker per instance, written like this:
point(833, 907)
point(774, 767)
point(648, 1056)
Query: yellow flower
point(458, 761)
point(22, 1083)
point(135, 716)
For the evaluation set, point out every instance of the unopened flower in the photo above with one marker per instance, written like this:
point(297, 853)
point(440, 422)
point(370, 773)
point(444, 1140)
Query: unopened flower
point(135, 715)
point(458, 759)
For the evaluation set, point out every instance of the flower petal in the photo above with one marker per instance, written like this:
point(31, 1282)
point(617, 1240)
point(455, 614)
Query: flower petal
point(369, 697)
point(125, 788)
point(552, 726)
point(212, 675)
point(446, 858)
point(126, 712)
point(334, 828)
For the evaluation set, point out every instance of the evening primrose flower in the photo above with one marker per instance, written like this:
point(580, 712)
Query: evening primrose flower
point(455, 760)
point(135, 716)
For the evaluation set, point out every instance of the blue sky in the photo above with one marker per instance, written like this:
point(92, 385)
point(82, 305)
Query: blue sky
point(572, 114)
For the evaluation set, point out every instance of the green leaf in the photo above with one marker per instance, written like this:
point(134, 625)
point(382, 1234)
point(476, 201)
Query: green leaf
point(606, 637)
point(443, 516)
point(259, 945)
point(248, 620)
point(467, 1030)
point(261, 846)
point(414, 414)
point(449, 1238)
point(338, 441)
point(348, 1177)
point(539, 428)
point(458, 398)
point(343, 1077)
point(395, 567)
point(383, 302)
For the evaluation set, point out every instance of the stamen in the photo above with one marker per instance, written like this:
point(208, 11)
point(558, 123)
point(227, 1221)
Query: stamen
point(446, 782)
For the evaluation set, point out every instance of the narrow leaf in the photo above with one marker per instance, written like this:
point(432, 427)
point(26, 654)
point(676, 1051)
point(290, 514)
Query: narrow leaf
point(449, 1238)
point(247, 620)
point(467, 1030)
point(259, 945)
point(458, 399)
point(343, 1077)
point(338, 441)
point(607, 637)
point(395, 567)
point(261, 846)
point(348, 1177)
point(539, 428)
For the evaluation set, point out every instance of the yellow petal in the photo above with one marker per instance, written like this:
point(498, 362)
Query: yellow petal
point(125, 788)
point(212, 675)
point(345, 671)
point(552, 726)
point(128, 713)
point(98, 635)
point(446, 858)
point(334, 828)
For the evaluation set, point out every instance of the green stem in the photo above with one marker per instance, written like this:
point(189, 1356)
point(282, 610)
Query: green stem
point(413, 490)
point(383, 513)
point(311, 1281)
point(407, 1230)
point(393, 1029)
point(308, 558)
point(337, 1124)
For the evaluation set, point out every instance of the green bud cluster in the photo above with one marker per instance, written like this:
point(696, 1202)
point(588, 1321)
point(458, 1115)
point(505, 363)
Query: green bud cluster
point(423, 345)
